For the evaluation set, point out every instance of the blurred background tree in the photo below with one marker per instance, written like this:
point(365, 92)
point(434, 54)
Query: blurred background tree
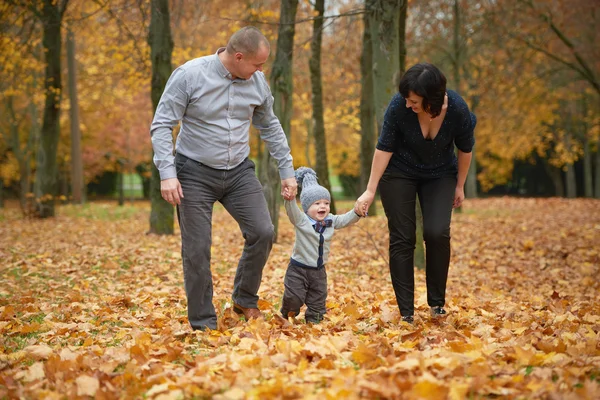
point(528, 68)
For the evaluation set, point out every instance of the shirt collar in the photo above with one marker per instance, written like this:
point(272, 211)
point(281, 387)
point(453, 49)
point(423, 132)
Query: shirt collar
point(314, 221)
point(220, 67)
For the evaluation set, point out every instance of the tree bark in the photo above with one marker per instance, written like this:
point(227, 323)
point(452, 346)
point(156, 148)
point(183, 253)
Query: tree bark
point(281, 86)
point(570, 180)
point(77, 186)
point(367, 109)
point(456, 46)
point(22, 157)
point(402, 38)
point(46, 169)
point(384, 20)
point(556, 176)
point(597, 174)
point(309, 128)
point(161, 49)
point(587, 168)
point(317, 100)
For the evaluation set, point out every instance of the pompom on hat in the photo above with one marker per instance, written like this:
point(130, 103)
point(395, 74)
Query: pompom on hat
point(311, 190)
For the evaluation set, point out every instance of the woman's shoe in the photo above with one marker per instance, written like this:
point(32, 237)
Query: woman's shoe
point(409, 319)
point(437, 312)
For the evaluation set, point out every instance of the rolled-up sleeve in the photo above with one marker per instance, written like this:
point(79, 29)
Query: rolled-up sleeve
point(271, 132)
point(465, 135)
point(388, 138)
point(169, 112)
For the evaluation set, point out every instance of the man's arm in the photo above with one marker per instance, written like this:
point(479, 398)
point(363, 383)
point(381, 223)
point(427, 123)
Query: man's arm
point(169, 112)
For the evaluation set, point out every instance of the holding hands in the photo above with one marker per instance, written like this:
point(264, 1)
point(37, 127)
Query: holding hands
point(361, 207)
point(289, 188)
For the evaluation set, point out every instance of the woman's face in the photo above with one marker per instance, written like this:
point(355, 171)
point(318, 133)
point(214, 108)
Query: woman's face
point(415, 102)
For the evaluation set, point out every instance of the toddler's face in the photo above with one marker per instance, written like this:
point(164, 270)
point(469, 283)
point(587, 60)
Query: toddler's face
point(318, 210)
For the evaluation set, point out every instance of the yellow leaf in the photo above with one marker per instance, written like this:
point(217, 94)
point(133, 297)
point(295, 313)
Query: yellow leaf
point(87, 385)
point(39, 352)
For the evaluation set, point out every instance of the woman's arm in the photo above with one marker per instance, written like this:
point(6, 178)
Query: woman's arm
point(381, 160)
point(464, 161)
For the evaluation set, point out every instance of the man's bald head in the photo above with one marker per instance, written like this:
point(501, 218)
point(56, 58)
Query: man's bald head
point(247, 40)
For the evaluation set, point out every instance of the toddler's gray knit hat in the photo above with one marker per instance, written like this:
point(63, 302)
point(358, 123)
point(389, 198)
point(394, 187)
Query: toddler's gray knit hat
point(311, 190)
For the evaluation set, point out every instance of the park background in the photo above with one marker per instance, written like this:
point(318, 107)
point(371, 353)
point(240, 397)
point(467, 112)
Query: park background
point(91, 300)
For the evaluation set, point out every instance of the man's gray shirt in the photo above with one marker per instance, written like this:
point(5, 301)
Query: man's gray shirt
point(306, 244)
point(215, 113)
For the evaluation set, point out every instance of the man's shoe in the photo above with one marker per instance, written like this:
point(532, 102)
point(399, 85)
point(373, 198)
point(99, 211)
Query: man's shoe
point(409, 319)
point(437, 312)
point(279, 320)
point(247, 312)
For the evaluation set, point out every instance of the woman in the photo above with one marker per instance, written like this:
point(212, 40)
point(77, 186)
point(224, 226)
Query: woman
point(415, 155)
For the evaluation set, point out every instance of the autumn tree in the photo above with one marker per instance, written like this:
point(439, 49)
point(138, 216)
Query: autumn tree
point(317, 100)
point(367, 107)
point(565, 34)
point(282, 88)
point(22, 66)
point(50, 14)
point(77, 186)
point(161, 45)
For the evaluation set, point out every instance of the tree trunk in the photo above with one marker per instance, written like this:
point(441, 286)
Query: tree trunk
point(76, 160)
point(317, 100)
point(367, 109)
point(587, 167)
point(121, 186)
point(309, 128)
point(14, 143)
point(556, 176)
point(402, 38)
point(161, 49)
point(281, 86)
point(384, 20)
point(456, 46)
point(46, 170)
point(571, 183)
point(597, 174)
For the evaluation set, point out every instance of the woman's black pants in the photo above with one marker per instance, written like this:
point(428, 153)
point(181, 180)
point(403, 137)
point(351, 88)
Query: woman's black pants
point(398, 195)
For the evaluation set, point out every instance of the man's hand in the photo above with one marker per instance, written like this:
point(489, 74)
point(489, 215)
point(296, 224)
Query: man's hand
point(170, 190)
point(289, 188)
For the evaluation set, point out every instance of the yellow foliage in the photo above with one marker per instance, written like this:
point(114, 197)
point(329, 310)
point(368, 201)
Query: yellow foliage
point(9, 169)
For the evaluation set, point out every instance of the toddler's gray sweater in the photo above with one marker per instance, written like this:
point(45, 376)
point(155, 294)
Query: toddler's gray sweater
point(306, 244)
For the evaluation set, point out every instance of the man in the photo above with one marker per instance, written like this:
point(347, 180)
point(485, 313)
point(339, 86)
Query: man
point(216, 98)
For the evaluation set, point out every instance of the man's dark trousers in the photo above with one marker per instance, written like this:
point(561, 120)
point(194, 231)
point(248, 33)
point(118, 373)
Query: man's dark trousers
point(240, 192)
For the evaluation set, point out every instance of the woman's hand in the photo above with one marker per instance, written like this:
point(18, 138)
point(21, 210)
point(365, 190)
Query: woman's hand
point(363, 203)
point(459, 196)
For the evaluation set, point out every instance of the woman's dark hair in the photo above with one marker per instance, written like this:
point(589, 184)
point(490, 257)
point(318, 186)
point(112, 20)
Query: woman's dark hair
point(427, 81)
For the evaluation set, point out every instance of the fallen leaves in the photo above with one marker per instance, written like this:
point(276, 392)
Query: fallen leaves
point(93, 307)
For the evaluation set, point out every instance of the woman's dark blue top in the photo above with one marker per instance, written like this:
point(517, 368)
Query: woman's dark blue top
point(426, 158)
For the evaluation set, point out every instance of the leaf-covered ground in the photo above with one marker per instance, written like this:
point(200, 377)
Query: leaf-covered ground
point(90, 305)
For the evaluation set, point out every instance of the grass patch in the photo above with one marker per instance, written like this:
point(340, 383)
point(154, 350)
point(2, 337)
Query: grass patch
point(38, 318)
point(18, 342)
point(101, 211)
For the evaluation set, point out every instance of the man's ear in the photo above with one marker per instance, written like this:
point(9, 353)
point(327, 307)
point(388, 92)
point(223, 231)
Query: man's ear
point(238, 56)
